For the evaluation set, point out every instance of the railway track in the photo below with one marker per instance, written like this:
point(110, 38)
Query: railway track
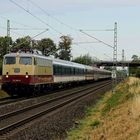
point(8, 104)
point(15, 119)
point(9, 100)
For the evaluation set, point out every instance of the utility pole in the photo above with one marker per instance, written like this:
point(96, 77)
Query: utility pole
point(114, 82)
point(123, 69)
point(123, 55)
point(8, 35)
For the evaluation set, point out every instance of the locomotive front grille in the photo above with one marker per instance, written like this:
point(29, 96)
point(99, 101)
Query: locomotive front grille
point(16, 70)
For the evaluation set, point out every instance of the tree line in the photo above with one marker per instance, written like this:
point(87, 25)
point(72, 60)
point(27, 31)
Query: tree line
point(135, 71)
point(45, 45)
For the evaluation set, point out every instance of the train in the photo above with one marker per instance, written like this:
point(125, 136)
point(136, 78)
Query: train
point(29, 70)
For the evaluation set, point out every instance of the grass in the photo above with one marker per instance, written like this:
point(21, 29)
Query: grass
point(85, 125)
point(112, 102)
point(95, 123)
point(3, 94)
point(115, 116)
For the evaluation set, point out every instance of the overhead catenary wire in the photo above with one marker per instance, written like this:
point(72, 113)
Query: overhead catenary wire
point(49, 15)
point(42, 21)
point(4, 28)
point(86, 42)
point(52, 17)
point(32, 37)
point(28, 28)
point(15, 21)
point(39, 19)
point(17, 33)
point(98, 30)
point(96, 39)
point(69, 25)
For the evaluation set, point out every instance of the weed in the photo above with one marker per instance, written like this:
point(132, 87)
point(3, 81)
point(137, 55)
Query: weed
point(95, 123)
point(112, 102)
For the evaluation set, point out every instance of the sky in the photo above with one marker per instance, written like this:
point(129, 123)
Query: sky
point(68, 17)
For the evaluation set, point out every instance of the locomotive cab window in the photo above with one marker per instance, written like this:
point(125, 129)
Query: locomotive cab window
point(25, 60)
point(9, 60)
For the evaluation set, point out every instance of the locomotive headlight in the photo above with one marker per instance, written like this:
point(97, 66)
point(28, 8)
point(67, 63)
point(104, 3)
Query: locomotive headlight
point(26, 75)
point(7, 75)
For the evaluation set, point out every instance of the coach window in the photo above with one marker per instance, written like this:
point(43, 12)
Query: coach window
point(9, 60)
point(54, 69)
point(35, 61)
point(25, 60)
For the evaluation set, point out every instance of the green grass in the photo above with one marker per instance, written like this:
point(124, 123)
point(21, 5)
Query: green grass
point(112, 102)
point(83, 125)
point(89, 110)
point(118, 97)
point(3, 94)
point(95, 123)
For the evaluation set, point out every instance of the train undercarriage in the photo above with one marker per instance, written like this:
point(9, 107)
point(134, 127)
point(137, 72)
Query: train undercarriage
point(17, 89)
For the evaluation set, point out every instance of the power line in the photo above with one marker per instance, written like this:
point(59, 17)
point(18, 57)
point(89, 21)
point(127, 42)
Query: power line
point(39, 19)
point(84, 42)
point(40, 34)
point(28, 28)
point(42, 21)
point(99, 30)
point(4, 28)
point(96, 39)
point(15, 21)
point(32, 37)
point(59, 21)
point(69, 25)
point(16, 33)
point(56, 19)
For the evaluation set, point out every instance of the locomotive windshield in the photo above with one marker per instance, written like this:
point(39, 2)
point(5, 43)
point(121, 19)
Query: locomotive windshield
point(9, 60)
point(25, 60)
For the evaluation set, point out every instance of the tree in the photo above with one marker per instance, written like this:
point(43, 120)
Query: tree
point(135, 71)
point(24, 42)
point(64, 48)
point(135, 58)
point(47, 46)
point(4, 45)
point(85, 59)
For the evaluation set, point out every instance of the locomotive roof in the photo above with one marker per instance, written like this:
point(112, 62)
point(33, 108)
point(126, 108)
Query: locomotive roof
point(57, 61)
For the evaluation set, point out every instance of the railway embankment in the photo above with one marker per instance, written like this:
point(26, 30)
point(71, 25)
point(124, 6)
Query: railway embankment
point(2, 93)
point(115, 116)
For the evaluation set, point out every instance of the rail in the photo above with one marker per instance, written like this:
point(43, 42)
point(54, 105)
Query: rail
point(59, 102)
